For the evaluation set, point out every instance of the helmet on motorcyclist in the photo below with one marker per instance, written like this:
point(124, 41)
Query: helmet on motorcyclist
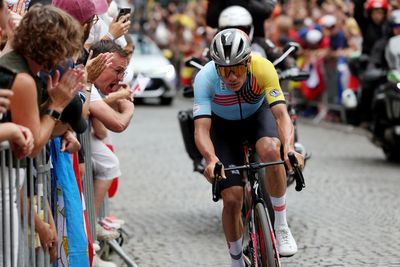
point(376, 4)
point(230, 47)
point(236, 17)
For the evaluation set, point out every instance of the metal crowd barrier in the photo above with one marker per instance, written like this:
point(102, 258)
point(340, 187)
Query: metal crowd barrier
point(24, 189)
point(88, 192)
point(328, 100)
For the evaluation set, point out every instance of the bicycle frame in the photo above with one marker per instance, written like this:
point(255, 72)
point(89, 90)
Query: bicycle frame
point(254, 204)
point(252, 196)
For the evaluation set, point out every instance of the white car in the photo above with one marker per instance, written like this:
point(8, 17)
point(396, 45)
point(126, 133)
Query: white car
point(149, 61)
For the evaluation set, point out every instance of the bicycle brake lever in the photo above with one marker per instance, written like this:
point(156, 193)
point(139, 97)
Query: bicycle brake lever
point(298, 175)
point(215, 187)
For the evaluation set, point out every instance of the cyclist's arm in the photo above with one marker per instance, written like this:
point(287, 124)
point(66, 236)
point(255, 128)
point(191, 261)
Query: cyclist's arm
point(268, 79)
point(204, 144)
point(203, 141)
point(203, 93)
point(284, 126)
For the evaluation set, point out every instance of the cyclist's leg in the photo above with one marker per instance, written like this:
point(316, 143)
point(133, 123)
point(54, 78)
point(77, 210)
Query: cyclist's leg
point(268, 149)
point(229, 150)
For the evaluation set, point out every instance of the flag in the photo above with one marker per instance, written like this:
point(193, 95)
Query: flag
point(85, 216)
point(77, 243)
point(140, 84)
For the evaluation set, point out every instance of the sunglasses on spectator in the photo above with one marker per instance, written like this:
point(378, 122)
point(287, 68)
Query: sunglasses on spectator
point(238, 70)
point(93, 20)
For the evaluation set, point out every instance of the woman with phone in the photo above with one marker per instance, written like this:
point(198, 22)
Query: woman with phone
point(111, 26)
point(47, 36)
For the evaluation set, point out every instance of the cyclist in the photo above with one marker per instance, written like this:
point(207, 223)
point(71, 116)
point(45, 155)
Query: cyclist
point(237, 96)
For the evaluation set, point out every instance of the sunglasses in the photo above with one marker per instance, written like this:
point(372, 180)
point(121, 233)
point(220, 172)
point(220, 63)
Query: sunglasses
point(237, 70)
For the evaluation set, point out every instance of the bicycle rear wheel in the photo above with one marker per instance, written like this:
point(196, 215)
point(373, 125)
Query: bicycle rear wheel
point(264, 238)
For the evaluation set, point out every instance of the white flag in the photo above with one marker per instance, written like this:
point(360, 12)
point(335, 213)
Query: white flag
point(140, 84)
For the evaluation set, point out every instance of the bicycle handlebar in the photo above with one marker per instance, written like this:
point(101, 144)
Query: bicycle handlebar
point(217, 174)
point(298, 175)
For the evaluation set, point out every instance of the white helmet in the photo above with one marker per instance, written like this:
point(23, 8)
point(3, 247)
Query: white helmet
point(349, 99)
point(230, 47)
point(236, 17)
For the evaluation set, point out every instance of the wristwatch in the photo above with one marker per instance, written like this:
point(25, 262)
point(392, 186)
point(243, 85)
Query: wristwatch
point(88, 87)
point(53, 113)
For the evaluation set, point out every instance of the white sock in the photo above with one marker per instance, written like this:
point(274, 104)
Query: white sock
point(235, 250)
point(279, 205)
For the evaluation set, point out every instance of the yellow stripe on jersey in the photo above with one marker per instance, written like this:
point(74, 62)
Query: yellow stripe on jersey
point(265, 78)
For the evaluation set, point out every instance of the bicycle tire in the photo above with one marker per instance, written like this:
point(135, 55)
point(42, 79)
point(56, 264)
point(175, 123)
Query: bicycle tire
point(264, 237)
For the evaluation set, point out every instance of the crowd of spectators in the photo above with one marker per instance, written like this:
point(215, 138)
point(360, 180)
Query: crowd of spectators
point(331, 33)
point(70, 59)
point(64, 63)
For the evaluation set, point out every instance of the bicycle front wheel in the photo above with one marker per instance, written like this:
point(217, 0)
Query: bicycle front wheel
point(264, 232)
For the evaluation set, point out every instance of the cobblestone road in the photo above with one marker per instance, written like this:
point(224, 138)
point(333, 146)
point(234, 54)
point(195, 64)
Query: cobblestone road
point(347, 216)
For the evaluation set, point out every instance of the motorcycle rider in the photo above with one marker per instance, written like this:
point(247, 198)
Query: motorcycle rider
point(260, 10)
point(377, 57)
point(371, 16)
point(240, 18)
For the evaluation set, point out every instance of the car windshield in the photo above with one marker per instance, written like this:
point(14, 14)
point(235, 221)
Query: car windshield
point(144, 46)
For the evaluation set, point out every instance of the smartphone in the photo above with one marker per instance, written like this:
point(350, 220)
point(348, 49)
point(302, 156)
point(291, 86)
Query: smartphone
point(7, 77)
point(123, 12)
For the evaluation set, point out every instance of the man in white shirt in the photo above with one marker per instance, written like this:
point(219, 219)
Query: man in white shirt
point(111, 108)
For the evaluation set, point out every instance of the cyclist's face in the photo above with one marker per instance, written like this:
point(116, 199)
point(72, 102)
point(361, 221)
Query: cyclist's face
point(233, 76)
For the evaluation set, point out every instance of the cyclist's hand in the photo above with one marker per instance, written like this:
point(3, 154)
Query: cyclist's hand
point(299, 157)
point(209, 171)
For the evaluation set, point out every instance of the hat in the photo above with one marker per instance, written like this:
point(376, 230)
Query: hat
point(82, 10)
point(313, 36)
point(395, 17)
point(328, 21)
point(72, 114)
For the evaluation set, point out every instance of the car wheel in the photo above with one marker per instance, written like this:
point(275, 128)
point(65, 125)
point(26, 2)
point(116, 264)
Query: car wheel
point(166, 101)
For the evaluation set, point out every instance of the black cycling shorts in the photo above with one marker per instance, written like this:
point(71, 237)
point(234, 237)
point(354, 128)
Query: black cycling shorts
point(228, 137)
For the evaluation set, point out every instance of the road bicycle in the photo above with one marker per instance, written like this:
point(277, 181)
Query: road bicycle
point(259, 244)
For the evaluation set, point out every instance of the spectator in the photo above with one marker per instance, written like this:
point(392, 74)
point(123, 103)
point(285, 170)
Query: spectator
point(45, 37)
point(111, 112)
point(109, 28)
point(371, 16)
point(353, 36)
point(39, 44)
point(337, 38)
point(19, 136)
